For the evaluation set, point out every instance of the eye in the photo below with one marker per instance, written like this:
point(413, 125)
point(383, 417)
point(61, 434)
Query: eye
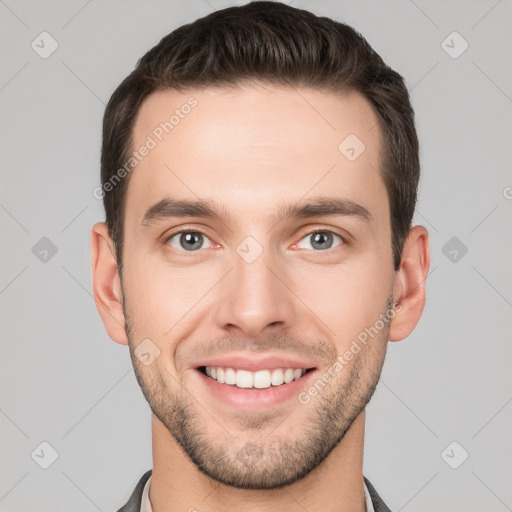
point(188, 240)
point(321, 240)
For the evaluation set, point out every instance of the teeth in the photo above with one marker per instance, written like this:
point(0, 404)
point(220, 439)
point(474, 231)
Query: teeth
point(244, 379)
point(259, 380)
point(289, 375)
point(277, 377)
point(230, 376)
point(262, 379)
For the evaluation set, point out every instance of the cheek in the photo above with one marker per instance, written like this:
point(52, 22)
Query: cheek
point(348, 297)
point(159, 295)
point(148, 297)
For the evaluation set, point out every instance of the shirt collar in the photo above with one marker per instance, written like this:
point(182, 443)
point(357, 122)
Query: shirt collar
point(146, 504)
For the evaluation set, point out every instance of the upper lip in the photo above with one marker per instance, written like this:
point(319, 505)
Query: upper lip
point(254, 363)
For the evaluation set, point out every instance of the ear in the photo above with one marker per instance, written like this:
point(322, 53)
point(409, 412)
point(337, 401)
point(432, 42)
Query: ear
point(107, 284)
point(410, 284)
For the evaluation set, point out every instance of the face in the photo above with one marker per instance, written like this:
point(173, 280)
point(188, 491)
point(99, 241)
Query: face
point(276, 277)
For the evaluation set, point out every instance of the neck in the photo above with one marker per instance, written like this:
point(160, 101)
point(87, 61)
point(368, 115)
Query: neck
point(335, 485)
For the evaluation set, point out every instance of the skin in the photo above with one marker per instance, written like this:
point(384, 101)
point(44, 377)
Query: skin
point(250, 149)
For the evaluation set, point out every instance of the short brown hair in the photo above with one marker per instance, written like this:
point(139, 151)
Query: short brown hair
point(278, 44)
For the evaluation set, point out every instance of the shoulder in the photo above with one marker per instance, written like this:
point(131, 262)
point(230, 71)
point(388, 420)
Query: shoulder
point(378, 504)
point(133, 504)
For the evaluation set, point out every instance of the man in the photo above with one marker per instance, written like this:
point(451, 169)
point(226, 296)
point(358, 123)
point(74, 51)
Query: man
point(259, 170)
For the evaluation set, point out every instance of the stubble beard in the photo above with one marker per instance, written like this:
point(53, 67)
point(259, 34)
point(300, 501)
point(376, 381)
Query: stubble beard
point(255, 457)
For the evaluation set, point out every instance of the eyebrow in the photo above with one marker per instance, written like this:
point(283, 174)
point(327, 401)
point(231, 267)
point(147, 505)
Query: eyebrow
point(315, 207)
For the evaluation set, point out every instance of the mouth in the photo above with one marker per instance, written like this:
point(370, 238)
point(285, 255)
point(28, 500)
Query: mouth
point(250, 391)
point(254, 380)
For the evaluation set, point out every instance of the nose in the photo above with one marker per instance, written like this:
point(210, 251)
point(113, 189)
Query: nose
point(256, 299)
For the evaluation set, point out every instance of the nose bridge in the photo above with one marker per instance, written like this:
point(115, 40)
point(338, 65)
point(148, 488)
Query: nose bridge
point(254, 296)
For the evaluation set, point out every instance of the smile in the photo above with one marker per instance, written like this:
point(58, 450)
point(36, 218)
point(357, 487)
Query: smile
point(260, 379)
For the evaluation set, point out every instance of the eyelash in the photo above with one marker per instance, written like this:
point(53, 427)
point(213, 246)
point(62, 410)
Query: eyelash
point(317, 230)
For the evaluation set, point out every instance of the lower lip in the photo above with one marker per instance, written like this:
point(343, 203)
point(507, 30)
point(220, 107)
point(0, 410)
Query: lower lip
point(249, 398)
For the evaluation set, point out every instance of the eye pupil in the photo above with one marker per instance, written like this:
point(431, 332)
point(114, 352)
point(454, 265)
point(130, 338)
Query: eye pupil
point(320, 239)
point(191, 240)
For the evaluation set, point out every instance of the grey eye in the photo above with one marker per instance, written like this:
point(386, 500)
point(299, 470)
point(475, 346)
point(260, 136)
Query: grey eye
point(321, 240)
point(188, 240)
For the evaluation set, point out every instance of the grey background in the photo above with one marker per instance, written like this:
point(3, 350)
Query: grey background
point(63, 381)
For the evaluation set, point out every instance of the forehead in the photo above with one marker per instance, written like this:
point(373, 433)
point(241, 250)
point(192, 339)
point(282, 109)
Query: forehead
point(254, 147)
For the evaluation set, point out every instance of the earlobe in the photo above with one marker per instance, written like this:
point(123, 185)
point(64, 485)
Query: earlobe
point(107, 284)
point(410, 292)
